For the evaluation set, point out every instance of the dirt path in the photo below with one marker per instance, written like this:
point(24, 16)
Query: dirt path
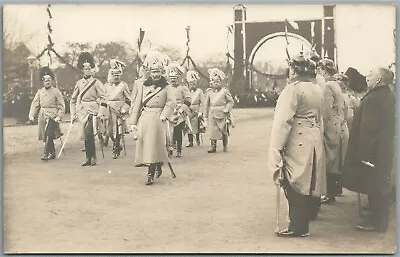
point(218, 203)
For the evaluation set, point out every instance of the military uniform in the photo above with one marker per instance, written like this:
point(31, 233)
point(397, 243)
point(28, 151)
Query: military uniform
point(88, 101)
point(179, 117)
point(119, 102)
point(196, 106)
point(296, 155)
point(153, 105)
point(217, 107)
point(50, 104)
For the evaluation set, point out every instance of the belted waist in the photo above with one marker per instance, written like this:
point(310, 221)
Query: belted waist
point(310, 121)
point(152, 109)
point(49, 107)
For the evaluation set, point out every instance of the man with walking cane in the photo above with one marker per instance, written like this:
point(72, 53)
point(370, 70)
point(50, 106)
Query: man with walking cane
point(88, 105)
point(152, 107)
point(297, 150)
point(50, 102)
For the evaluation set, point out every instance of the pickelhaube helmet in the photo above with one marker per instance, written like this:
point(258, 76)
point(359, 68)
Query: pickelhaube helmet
point(300, 63)
point(192, 76)
point(174, 70)
point(45, 71)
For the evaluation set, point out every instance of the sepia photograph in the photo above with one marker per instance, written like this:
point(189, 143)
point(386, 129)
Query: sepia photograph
point(199, 128)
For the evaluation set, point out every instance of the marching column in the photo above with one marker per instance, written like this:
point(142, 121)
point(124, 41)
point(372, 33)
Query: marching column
point(50, 104)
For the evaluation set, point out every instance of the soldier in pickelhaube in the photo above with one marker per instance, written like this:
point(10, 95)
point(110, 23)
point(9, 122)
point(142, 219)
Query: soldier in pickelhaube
point(336, 133)
point(296, 155)
point(88, 104)
point(179, 117)
point(119, 102)
point(50, 104)
point(218, 104)
point(153, 105)
point(196, 106)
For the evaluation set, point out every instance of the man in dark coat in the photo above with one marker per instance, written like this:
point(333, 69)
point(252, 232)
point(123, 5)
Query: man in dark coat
point(371, 148)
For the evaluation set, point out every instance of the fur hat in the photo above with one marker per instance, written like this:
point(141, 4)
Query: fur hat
point(84, 59)
point(46, 71)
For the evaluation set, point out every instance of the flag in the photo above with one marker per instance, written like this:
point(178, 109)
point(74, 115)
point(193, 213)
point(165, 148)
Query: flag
point(141, 36)
point(293, 24)
point(230, 28)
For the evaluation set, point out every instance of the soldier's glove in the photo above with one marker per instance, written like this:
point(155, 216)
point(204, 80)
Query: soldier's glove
point(123, 111)
point(225, 111)
point(162, 118)
point(200, 115)
point(57, 119)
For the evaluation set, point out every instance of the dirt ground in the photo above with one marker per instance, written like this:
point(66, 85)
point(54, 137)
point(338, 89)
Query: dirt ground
point(221, 203)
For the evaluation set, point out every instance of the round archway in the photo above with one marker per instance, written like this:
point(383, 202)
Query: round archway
point(269, 57)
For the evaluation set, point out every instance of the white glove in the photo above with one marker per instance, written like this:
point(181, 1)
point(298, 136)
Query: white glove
point(57, 119)
point(200, 114)
point(123, 111)
point(133, 127)
point(162, 118)
point(226, 111)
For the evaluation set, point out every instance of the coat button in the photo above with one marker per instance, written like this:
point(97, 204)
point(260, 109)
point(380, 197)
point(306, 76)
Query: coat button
point(300, 144)
point(299, 122)
point(300, 133)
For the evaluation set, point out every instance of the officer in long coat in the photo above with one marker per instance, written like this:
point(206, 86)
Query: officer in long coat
point(335, 129)
point(119, 101)
point(296, 155)
point(88, 105)
point(368, 165)
point(196, 106)
point(153, 105)
point(179, 117)
point(218, 104)
point(50, 104)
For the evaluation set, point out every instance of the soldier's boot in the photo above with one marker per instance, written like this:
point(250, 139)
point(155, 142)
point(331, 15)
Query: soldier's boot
point(213, 146)
point(150, 174)
point(116, 148)
point(159, 169)
point(93, 161)
point(225, 142)
point(45, 152)
point(198, 138)
point(106, 139)
point(190, 137)
point(51, 149)
point(87, 153)
point(179, 153)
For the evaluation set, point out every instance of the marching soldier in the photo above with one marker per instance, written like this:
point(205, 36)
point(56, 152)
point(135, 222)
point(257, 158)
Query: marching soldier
point(180, 116)
point(196, 106)
point(336, 133)
point(153, 105)
point(88, 104)
point(50, 102)
point(119, 102)
point(217, 107)
point(296, 154)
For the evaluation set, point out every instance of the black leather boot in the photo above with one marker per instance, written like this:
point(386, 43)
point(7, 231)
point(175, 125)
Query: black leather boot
point(150, 174)
point(87, 153)
point(190, 137)
point(159, 169)
point(198, 138)
point(45, 152)
point(225, 142)
point(213, 146)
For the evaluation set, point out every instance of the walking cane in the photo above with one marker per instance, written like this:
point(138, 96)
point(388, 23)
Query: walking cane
point(359, 204)
point(62, 145)
point(123, 142)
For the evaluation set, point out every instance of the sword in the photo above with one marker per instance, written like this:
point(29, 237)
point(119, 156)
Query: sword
point(172, 170)
point(123, 142)
point(66, 138)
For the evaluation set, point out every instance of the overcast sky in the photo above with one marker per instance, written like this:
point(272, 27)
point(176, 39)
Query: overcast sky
point(364, 32)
